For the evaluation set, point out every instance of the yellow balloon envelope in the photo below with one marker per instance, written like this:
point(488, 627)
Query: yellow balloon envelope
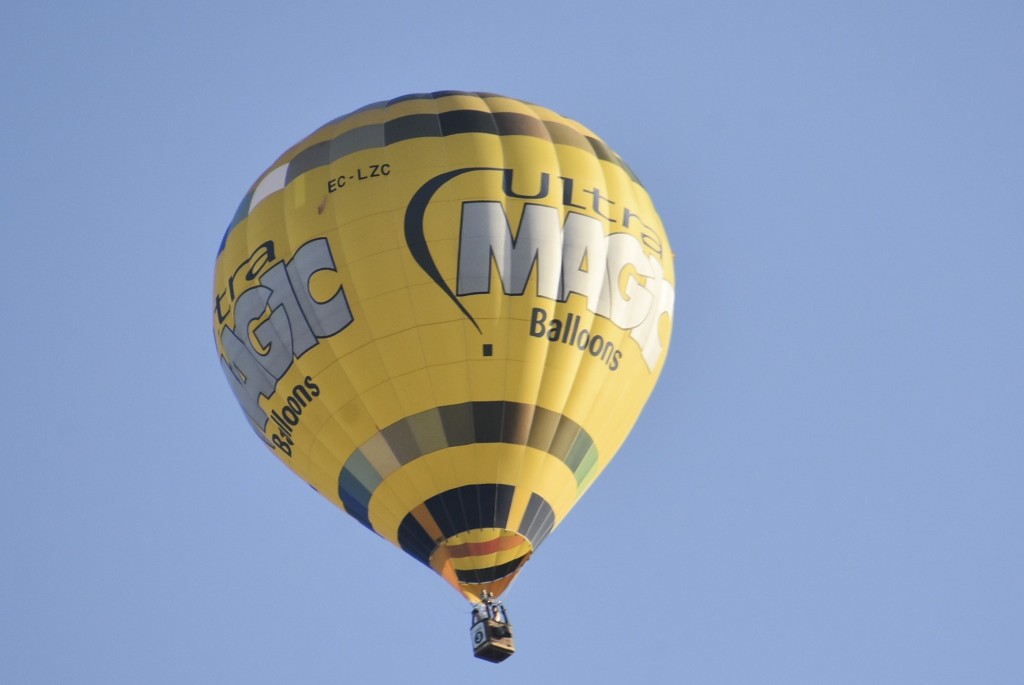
point(445, 312)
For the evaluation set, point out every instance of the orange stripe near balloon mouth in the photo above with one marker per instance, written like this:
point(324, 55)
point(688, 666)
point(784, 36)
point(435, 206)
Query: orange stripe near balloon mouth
point(493, 577)
point(471, 549)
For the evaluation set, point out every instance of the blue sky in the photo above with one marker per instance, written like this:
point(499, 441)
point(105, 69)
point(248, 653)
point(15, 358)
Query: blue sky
point(825, 486)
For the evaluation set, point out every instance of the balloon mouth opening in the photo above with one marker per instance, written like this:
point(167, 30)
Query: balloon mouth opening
point(479, 560)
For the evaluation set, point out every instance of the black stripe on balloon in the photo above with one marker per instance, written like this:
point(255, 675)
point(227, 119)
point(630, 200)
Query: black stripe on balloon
point(471, 506)
point(467, 121)
point(538, 520)
point(415, 540)
point(489, 575)
point(603, 151)
point(487, 421)
point(410, 96)
point(513, 124)
point(455, 122)
point(314, 156)
point(412, 126)
point(455, 511)
point(456, 425)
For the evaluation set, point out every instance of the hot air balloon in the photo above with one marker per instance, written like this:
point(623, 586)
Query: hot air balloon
point(445, 312)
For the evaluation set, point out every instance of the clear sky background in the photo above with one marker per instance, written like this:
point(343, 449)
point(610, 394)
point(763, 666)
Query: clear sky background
point(825, 487)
